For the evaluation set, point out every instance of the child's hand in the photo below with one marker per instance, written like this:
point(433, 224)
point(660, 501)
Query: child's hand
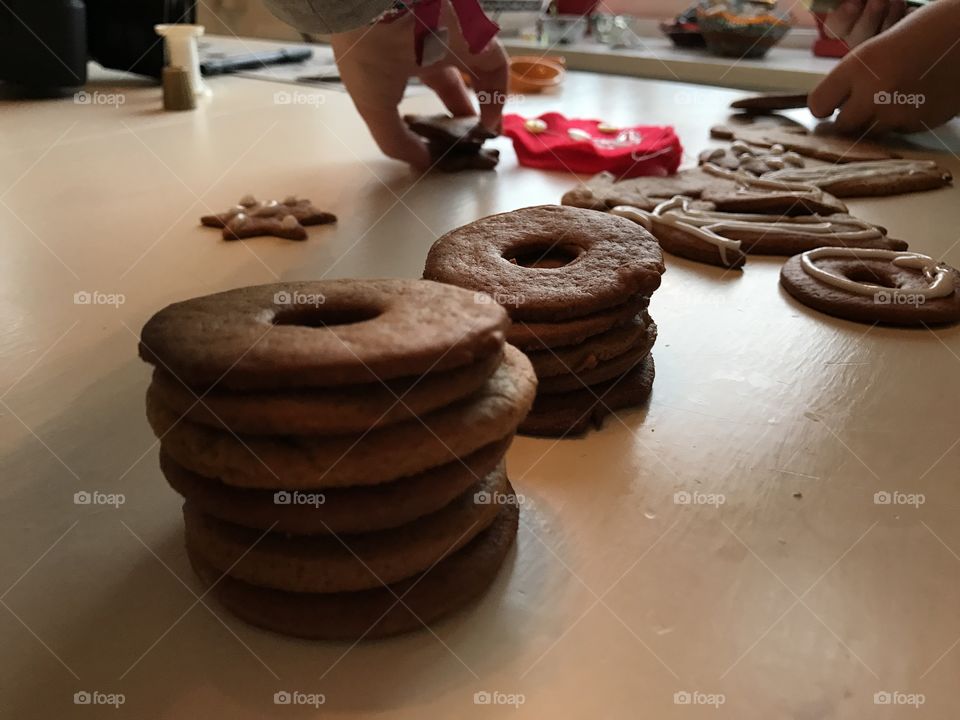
point(376, 62)
point(903, 80)
point(856, 21)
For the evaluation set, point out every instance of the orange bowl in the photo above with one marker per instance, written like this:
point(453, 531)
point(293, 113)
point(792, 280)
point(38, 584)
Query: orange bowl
point(530, 74)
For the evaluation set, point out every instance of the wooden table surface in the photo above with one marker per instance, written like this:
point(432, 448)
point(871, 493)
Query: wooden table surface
point(784, 590)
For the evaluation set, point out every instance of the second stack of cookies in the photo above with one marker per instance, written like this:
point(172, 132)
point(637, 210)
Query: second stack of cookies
point(577, 284)
point(340, 448)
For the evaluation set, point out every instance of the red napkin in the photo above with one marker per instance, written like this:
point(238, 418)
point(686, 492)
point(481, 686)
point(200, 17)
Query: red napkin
point(655, 150)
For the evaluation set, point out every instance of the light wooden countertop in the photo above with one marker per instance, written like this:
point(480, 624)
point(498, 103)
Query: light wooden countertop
point(798, 597)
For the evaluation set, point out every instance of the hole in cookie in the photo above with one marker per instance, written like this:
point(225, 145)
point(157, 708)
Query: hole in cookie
point(863, 274)
point(320, 316)
point(545, 255)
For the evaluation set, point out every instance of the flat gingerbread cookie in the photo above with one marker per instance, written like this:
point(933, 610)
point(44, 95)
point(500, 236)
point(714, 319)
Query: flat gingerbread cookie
point(252, 218)
point(770, 102)
point(819, 145)
point(756, 161)
point(874, 286)
point(455, 142)
point(449, 585)
point(868, 179)
point(721, 238)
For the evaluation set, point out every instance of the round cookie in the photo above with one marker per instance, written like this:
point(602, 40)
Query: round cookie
point(549, 262)
point(321, 334)
point(575, 412)
point(325, 563)
point(337, 510)
point(539, 335)
point(382, 455)
point(874, 286)
point(590, 353)
point(408, 605)
point(607, 370)
point(331, 411)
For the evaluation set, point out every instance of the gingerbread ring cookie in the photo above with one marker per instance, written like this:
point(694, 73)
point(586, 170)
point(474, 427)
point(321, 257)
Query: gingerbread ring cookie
point(573, 413)
point(324, 563)
point(329, 411)
point(575, 359)
point(335, 510)
point(549, 262)
point(871, 286)
point(539, 335)
point(389, 453)
point(321, 334)
point(448, 586)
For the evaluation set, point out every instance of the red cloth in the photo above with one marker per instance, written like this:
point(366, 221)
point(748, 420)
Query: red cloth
point(658, 151)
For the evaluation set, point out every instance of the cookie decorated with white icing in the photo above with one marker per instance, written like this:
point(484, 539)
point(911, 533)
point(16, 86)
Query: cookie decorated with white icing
point(874, 286)
point(722, 238)
point(868, 179)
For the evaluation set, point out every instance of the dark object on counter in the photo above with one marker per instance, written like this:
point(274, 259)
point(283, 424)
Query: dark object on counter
point(770, 102)
point(740, 36)
point(46, 44)
point(249, 61)
point(684, 31)
point(177, 91)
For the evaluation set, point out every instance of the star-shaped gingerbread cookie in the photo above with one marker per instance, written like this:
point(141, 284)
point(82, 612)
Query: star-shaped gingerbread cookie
point(252, 218)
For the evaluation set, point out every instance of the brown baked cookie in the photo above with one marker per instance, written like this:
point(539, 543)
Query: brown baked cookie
point(539, 335)
point(869, 179)
point(770, 102)
point(756, 161)
point(820, 145)
point(251, 218)
point(378, 456)
point(335, 510)
point(455, 142)
point(549, 262)
point(408, 605)
point(604, 371)
point(328, 411)
point(321, 334)
point(719, 188)
point(874, 286)
point(573, 413)
point(604, 191)
point(343, 563)
point(721, 238)
point(592, 352)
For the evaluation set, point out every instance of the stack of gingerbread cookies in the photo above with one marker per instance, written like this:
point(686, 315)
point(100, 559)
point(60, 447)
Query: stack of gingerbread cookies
point(340, 448)
point(576, 283)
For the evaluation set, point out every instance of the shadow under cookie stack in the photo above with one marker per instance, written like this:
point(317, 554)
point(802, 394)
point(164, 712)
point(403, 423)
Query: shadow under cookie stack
point(577, 284)
point(340, 448)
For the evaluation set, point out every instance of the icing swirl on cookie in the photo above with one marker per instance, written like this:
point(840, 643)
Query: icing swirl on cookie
point(674, 213)
point(939, 278)
point(763, 183)
point(852, 171)
point(846, 228)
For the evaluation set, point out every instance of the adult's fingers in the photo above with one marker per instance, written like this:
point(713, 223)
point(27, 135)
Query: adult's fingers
point(448, 84)
point(831, 92)
point(869, 22)
point(839, 22)
point(857, 114)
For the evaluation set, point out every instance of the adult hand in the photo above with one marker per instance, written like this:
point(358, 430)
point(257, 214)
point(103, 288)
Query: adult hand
point(377, 61)
point(856, 21)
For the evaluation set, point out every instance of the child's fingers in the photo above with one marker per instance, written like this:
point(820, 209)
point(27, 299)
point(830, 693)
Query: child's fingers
point(839, 22)
point(447, 83)
point(869, 22)
point(393, 137)
point(490, 82)
point(896, 12)
point(831, 92)
point(857, 114)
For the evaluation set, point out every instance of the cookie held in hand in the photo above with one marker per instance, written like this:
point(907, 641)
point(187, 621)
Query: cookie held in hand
point(456, 143)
